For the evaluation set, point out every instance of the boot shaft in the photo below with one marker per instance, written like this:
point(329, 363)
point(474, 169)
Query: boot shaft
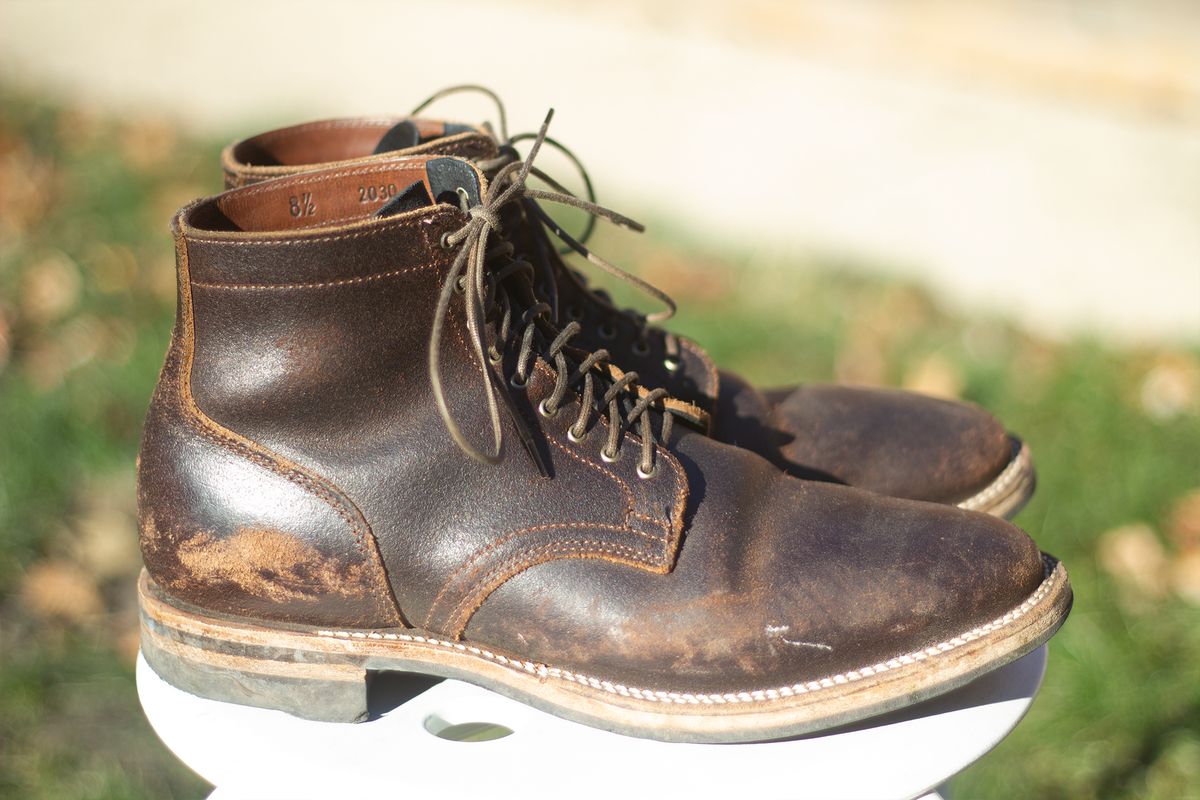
point(294, 464)
point(660, 359)
point(349, 141)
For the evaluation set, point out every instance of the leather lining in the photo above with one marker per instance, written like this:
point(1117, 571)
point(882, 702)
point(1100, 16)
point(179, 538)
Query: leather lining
point(302, 202)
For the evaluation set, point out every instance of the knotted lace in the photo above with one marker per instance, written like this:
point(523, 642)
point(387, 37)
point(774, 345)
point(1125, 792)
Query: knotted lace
point(485, 285)
point(509, 155)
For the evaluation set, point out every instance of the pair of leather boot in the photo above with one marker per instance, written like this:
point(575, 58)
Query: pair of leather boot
point(394, 430)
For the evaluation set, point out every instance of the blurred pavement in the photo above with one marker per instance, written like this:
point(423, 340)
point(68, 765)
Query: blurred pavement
point(1048, 170)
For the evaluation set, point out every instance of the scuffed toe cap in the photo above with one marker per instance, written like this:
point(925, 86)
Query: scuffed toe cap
point(891, 442)
point(778, 582)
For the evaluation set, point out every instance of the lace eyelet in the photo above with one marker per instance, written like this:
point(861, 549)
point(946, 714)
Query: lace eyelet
point(644, 475)
point(574, 313)
point(546, 412)
point(517, 383)
point(494, 355)
point(609, 459)
point(640, 348)
point(574, 439)
point(445, 241)
point(672, 363)
point(606, 330)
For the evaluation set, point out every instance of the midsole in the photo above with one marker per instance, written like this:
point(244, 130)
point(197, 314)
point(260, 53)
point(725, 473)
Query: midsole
point(1010, 490)
point(164, 620)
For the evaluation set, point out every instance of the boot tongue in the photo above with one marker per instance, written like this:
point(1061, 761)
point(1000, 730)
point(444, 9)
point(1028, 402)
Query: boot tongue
point(443, 178)
point(406, 134)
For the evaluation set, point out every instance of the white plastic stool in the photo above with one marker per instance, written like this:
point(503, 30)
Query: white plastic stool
point(251, 753)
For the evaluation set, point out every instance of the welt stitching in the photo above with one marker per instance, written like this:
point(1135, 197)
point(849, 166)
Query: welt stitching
point(462, 571)
point(318, 284)
point(544, 671)
point(527, 558)
point(1003, 483)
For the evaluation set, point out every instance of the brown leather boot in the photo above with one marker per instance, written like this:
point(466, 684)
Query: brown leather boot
point(887, 441)
point(370, 450)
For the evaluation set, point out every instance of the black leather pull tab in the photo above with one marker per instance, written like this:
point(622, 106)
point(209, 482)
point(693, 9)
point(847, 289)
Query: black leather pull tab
point(400, 136)
point(414, 196)
point(447, 175)
point(453, 128)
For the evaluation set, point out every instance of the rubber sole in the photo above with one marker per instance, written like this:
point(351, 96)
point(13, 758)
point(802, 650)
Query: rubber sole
point(323, 674)
point(1005, 496)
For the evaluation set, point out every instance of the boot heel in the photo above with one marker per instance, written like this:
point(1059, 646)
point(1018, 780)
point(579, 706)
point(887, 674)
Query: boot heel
point(303, 683)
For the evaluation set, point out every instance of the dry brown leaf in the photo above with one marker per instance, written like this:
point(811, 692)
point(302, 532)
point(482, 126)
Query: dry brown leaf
point(112, 268)
point(861, 360)
point(5, 338)
point(1133, 555)
point(1184, 525)
point(935, 375)
point(29, 188)
point(50, 288)
point(46, 364)
point(59, 590)
point(107, 543)
point(1171, 387)
point(148, 143)
point(1185, 576)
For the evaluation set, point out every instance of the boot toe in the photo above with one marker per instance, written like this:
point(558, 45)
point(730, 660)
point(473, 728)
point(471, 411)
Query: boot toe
point(803, 582)
point(892, 442)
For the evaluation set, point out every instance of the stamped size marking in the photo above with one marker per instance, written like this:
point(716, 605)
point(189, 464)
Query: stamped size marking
point(373, 194)
point(302, 206)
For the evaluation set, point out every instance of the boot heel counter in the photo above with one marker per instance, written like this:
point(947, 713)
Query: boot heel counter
point(231, 527)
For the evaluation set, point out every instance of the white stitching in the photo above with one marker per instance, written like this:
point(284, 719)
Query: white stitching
point(378, 276)
point(758, 695)
point(1004, 483)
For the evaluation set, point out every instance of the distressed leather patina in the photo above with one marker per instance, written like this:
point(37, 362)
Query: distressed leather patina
point(295, 469)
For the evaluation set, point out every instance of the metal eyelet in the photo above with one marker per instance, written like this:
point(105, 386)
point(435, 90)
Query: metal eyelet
point(574, 313)
point(445, 242)
point(646, 475)
point(640, 348)
point(494, 355)
point(571, 437)
point(605, 330)
point(546, 412)
point(606, 458)
point(516, 382)
point(671, 363)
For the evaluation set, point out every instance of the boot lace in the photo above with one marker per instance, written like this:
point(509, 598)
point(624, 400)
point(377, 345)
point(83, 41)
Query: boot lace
point(488, 274)
point(643, 323)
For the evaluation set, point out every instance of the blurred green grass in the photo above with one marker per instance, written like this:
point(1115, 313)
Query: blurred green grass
point(86, 300)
